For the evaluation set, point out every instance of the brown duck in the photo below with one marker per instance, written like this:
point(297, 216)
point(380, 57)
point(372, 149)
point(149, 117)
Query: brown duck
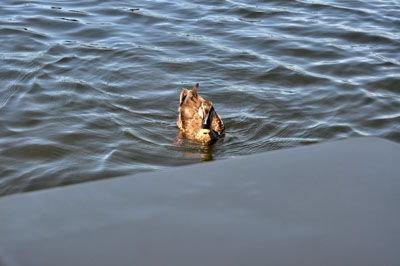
point(197, 118)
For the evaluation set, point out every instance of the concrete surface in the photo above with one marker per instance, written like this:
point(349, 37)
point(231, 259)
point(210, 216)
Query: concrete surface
point(325, 204)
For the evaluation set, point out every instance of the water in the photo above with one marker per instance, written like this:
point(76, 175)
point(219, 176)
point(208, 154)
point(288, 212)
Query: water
point(89, 89)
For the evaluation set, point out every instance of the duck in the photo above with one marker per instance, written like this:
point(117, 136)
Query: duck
point(197, 118)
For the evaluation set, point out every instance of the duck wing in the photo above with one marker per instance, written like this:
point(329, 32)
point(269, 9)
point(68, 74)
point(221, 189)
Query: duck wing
point(218, 124)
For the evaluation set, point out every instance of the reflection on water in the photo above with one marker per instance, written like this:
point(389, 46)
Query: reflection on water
point(197, 151)
point(90, 90)
point(194, 149)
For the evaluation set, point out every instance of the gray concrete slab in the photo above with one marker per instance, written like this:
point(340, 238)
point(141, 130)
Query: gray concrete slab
point(325, 204)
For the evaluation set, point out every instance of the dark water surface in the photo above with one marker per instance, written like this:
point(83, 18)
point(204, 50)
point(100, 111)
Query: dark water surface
point(89, 89)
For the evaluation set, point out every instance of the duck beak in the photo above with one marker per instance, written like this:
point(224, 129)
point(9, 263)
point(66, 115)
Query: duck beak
point(205, 131)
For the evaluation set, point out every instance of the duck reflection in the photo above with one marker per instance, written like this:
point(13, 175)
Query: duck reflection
point(193, 149)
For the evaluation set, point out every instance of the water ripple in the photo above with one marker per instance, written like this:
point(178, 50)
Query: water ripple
point(89, 90)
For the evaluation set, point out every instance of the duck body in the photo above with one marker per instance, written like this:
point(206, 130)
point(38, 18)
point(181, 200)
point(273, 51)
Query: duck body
point(197, 119)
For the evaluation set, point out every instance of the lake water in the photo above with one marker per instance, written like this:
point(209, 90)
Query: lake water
point(90, 89)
